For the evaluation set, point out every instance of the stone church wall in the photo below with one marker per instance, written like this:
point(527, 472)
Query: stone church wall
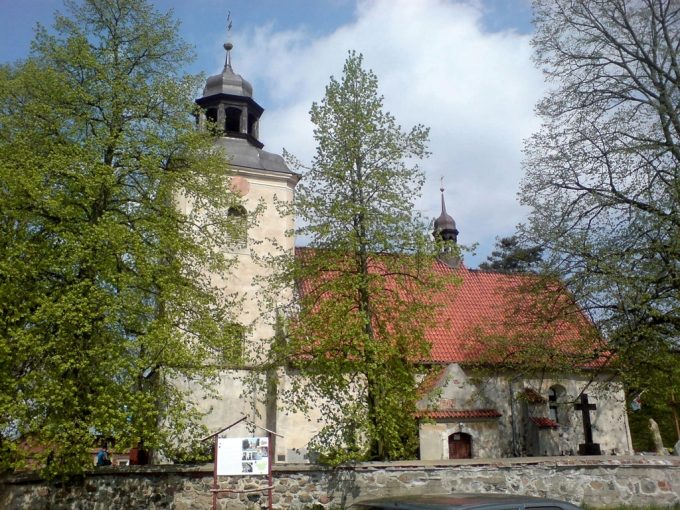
point(514, 431)
point(594, 481)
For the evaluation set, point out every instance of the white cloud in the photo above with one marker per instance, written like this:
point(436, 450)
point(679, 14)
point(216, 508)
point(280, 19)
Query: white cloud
point(437, 66)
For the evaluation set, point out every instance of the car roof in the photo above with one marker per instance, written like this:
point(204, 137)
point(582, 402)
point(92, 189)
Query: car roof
point(464, 502)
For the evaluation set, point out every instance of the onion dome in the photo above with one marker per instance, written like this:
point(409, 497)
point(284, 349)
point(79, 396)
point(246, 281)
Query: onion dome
point(227, 107)
point(445, 226)
point(228, 82)
point(228, 104)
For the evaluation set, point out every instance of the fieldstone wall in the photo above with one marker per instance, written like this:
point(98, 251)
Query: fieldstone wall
point(595, 481)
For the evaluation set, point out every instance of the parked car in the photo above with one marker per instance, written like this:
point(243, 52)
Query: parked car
point(464, 502)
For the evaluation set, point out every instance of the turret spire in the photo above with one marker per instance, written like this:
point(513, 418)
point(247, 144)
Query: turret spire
point(227, 61)
point(445, 230)
point(228, 45)
point(445, 226)
point(441, 189)
point(228, 102)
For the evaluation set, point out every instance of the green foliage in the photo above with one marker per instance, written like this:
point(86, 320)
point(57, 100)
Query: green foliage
point(539, 331)
point(510, 256)
point(357, 330)
point(105, 301)
point(602, 175)
point(657, 385)
point(194, 452)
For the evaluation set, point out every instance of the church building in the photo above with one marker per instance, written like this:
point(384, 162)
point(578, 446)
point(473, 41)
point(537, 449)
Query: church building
point(517, 362)
point(477, 402)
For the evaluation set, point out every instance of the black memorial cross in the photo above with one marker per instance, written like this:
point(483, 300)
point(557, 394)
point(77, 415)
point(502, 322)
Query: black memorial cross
point(589, 447)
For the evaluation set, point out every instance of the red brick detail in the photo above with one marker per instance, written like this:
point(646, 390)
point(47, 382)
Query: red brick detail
point(469, 414)
point(545, 423)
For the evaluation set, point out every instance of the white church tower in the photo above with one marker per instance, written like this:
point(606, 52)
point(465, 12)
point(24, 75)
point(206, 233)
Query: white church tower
point(261, 178)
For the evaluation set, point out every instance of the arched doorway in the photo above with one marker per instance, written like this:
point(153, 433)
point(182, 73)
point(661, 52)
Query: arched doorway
point(460, 446)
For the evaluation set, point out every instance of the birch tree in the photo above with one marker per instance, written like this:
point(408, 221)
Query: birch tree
point(603, 173)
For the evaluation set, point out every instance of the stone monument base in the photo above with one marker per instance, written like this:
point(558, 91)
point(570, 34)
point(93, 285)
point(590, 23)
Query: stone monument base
point(589, 449)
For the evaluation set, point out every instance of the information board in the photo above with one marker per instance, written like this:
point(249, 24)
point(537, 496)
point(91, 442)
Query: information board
point(242, 456)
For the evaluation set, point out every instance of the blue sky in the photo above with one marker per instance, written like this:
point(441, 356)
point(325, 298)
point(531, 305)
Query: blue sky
point(462, 67)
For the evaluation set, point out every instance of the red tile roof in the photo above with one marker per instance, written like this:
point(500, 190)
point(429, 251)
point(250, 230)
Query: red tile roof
point(545, 423)
point(460, 415)
point(495, 318)
point(431, 381)
point(509, 312)
point(533, 396)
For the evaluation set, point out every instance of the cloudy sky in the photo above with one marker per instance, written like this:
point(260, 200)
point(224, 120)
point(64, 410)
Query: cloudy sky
point(461, 67)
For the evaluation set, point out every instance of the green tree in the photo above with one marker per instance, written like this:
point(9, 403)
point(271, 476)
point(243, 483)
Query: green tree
point(510, 257)
point(106, 300)
point(657, 401)
point(357, 331)
point(603, 173)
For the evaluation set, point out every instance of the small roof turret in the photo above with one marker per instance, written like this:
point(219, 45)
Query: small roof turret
point(228, 102)
point(445, 231)
point(445, 226)
point(444, 222)
point(228, 108)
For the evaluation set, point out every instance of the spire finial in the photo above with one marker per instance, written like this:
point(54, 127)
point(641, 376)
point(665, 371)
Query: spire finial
point(228, 45)
point(441, 188)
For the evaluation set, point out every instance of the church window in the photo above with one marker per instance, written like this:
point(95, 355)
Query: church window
point(556, 404)
point(238, 229)
point(232, 120)
point(552, 403)
point(234, 336)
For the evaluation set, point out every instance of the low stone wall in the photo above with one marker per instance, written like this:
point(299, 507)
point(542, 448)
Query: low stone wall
point(595, 481)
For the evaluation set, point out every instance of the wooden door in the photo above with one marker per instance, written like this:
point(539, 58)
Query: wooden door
point(460, 446)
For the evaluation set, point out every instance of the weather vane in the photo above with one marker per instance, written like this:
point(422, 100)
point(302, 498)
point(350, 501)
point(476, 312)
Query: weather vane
point(441, 184)
point(228, 45)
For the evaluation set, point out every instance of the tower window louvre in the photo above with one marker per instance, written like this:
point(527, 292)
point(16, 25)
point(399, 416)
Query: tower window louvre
point(232, 120)
point(238, 228)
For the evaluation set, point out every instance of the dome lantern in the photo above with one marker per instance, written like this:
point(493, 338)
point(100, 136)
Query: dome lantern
point(228, 104)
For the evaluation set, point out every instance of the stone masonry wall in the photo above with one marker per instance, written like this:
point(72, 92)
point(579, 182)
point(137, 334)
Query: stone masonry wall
point(595, 481)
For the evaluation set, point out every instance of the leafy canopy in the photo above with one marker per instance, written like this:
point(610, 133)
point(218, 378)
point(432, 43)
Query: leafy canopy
point(602, 174)
point(357, 330)
point(105, 295)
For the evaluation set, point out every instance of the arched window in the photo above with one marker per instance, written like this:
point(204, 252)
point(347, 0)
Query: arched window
point(460, 446)
point(232, 120)
point(234, 343)
point(556, 404)
point(211, 115)
point(238, 228)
